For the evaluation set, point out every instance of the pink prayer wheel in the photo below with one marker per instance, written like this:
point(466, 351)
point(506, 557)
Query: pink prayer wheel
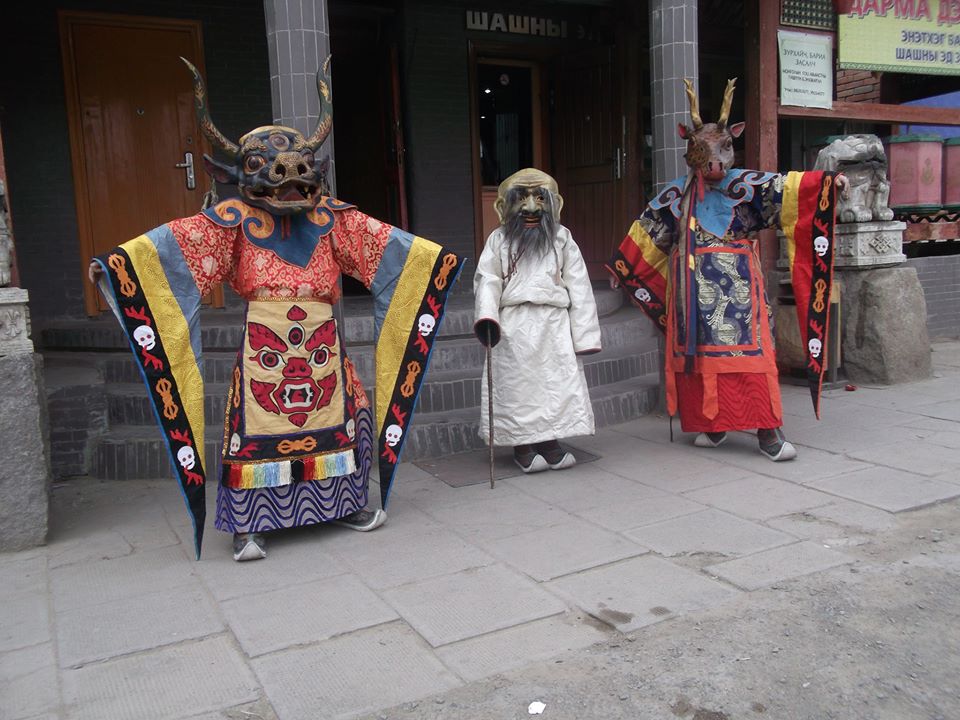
point(916, 177)
point(951, 173)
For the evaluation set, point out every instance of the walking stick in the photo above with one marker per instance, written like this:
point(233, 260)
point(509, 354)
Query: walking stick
point(490, 397)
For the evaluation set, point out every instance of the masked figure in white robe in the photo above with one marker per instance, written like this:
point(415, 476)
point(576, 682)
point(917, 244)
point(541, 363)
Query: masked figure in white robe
point(535, 308)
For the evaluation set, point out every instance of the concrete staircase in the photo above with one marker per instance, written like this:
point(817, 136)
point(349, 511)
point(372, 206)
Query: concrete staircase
point(121, 440)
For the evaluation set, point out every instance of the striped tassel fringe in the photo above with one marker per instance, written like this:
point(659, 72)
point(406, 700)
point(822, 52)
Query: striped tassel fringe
point(249, 476)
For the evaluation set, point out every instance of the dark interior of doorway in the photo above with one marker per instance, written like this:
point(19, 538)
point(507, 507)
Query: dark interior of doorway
point(505, 103)
point(362, 39)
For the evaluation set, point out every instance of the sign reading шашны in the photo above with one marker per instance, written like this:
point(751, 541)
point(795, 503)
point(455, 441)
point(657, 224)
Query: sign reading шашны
point(911, 36)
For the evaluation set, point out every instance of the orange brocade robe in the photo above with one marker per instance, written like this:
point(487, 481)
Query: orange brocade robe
point(691, 265)
point(298, 434)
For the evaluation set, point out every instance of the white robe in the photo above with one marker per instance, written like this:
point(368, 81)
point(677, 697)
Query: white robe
point(547, 316)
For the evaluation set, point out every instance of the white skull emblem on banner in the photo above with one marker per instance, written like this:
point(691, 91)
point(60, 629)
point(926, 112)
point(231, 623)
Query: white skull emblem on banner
point(426, 324)
point(821, 245)
point(393, 434)
point(815, 347)
point(145, 337)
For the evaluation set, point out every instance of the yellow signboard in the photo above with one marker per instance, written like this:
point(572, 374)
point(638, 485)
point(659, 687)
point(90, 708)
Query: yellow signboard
point(910, 36)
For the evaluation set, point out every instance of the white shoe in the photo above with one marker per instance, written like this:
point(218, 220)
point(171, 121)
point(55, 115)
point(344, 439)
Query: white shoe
point(248, 546)
point(363, 520)
point(705, 441)
point(538, 464)
point(786, 452)
point(567, 461)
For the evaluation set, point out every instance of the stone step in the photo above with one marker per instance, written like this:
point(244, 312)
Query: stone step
point(133, 453)
point(443, 391)
point(128, 405)
point(439, 434)
point(137, 452)
point(221, 329)
point(623, 328)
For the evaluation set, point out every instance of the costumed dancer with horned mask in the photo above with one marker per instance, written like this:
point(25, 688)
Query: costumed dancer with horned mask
point(299, 436)
point(534, 305)
point(690, 263)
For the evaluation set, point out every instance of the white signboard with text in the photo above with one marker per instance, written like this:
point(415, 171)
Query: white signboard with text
point(806, 69)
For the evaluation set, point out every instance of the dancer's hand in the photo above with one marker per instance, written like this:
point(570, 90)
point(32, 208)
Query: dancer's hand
point(94, 271)
point(843, 185)
point(488, 332)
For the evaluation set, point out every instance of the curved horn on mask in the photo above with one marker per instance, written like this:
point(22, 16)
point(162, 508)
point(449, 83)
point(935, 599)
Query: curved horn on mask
point(203, 114)
point(325, 121)
point(727, 102)
point(694, 105)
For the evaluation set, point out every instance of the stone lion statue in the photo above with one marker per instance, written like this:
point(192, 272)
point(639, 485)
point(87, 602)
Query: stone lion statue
point(862, 159)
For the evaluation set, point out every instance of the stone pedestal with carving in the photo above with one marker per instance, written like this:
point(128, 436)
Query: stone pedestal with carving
point(25, 470)
point(869, 244)
point(14, 322)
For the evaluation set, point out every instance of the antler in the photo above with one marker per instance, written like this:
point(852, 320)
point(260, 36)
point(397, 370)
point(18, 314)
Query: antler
point(325, 121)
point(694, 105)
point(203, 115)
point(727, 102)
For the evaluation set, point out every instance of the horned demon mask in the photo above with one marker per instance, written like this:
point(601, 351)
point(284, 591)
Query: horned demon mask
point(274, 167)
point(528, 205)
point(710, 145)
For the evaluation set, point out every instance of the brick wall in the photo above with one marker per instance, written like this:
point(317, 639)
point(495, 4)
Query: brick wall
point(78, 415)
point(858, 86)
point(33, 119)
point(940, 279)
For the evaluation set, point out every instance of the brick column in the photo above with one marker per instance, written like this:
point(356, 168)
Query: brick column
point(298, 41)
point(673, 56)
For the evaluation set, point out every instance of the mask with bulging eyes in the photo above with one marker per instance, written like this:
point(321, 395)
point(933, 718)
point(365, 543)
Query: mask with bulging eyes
point(274, 167)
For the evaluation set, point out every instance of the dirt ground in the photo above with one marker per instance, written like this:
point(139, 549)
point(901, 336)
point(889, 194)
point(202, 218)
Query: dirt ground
point(878, 639)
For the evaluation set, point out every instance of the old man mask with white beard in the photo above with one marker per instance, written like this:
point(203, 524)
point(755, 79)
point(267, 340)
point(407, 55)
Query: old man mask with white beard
point(528, 205)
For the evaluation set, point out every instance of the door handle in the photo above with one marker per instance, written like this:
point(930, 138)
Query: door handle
point(187, 165)
point(617, 167)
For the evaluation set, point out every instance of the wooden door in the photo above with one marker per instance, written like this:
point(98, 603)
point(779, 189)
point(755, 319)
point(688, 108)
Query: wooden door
point(130, 112)
point(589, 135)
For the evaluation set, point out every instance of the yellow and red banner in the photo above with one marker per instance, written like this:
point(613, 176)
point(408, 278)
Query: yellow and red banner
point(642, 269)
point(807, 218)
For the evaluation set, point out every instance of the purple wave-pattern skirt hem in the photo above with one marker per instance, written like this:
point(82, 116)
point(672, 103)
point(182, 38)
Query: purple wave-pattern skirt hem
point(300, 503)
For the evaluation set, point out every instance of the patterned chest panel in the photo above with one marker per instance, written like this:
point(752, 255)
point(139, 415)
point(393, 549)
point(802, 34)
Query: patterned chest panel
point(728, 297)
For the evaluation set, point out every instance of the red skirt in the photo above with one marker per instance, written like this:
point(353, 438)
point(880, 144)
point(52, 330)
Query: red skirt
point(744, 401)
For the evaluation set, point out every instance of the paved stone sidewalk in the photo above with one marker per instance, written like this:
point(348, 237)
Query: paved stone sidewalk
point(114, 619)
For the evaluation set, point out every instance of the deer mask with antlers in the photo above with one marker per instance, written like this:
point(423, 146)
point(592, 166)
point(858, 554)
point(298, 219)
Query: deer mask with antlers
point(710, 145)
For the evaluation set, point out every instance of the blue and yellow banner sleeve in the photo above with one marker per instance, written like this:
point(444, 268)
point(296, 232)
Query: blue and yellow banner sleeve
point(150, 289)
point(410, 291)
